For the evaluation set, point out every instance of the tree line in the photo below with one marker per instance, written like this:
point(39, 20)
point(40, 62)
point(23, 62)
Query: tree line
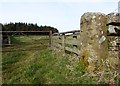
point(27, 27)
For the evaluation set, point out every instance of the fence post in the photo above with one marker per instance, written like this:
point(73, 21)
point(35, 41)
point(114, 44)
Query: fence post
point(9, 41)
point(50, 38)
point(63, 42)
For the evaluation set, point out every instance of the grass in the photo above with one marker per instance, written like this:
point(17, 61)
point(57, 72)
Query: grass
point(41, 66)
point(28, 39)
point(38, 66)
point(27, 43)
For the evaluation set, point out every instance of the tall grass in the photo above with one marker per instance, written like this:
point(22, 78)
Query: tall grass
point(41, 66)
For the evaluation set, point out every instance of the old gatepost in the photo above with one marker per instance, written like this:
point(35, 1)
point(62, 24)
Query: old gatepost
point(113, 20)
point(93, 37)
point(100, 41)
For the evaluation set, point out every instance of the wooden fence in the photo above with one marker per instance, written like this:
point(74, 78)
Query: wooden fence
point(67, 41)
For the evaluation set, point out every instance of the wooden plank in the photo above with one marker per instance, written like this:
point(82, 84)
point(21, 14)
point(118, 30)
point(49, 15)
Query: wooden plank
point(73, 31)
point(55, 36)
point(58, 46)
point(50, 38)
point(23, 31)
point(72, 42)
point(74, 50)
point(72, 37)
point(58, 42)
point(9, 40)
point(57, 39)
point(63, 42)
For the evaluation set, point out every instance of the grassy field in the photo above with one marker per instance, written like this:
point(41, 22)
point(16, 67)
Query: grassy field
point(27, 63)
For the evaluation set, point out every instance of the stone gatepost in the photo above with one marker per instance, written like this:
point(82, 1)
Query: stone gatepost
point(113, 48)
point(93, 37)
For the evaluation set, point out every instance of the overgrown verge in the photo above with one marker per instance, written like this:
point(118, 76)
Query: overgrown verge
point(42, 66)
point(96, 77)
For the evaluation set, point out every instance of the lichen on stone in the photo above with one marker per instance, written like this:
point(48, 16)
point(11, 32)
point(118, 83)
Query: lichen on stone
point(98, 50)
point(93, 26)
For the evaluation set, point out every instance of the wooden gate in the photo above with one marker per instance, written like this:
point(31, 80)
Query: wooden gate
point(25, 40)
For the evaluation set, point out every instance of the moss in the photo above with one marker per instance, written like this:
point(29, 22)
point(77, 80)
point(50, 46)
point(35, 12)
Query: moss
point(86, 53)
point(84, 58)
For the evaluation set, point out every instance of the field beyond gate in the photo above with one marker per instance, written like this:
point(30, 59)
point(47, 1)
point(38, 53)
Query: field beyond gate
point(28, 63)
point(27, 43)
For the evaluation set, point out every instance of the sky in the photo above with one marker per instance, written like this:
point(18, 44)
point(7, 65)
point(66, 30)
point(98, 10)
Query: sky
point(61, 14)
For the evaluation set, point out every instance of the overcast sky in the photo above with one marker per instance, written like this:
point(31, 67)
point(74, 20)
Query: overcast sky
point(61, 14)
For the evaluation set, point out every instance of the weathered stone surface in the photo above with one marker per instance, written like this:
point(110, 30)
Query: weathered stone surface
point(113, 53)
point(113, 17)
point(99, 50)
point(93, 37)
